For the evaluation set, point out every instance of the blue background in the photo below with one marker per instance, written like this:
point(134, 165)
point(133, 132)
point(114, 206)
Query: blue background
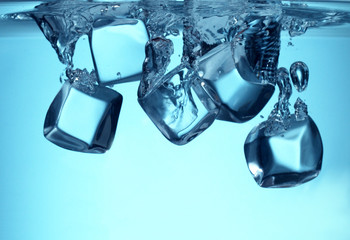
point(147, 188)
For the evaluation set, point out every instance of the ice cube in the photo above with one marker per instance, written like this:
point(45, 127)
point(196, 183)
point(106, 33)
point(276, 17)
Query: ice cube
point(287, 157)
point(118, 48)
point(177, 42)
point(180, 105)
point(162, 56)
point(83, 118)
point(242, 95)
point(82, 55)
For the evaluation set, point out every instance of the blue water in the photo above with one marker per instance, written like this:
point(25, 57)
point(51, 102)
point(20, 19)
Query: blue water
point(145, 187)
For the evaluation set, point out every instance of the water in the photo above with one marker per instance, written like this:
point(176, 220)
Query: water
point(204, 188)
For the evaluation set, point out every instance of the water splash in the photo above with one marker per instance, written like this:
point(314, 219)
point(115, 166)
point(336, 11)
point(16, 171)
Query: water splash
point(83, 80)
point(301, 112)
point(299, 17)
point(177, 93)
point(64, 22)
point(158, 53)
point(279, 118)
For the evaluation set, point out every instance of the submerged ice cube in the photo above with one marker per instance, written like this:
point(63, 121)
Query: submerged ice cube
point(286, 157)
point(261, 42)
point(82, 55)
point(171, 92)
point(180, 105)
point(83, 117)
point(118, 48)
point(162, 56)
point(242, 95)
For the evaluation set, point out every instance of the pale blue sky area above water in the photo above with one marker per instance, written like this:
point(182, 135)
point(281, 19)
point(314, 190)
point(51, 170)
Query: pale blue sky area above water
point(147, 188)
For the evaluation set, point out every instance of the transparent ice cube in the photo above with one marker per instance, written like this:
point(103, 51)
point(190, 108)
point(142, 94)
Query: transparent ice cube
point(82, 55)
point(242, 95)
point(287, 157)
point(118, 48)
point(163, 54)
point(180, 105)
point(175, 58)
point(83, 119)
point(261, 42)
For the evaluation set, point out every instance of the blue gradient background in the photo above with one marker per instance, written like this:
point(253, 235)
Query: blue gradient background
point(146, 188)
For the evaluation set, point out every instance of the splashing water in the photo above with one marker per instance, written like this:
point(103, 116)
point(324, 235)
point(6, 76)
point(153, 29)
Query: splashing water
point(202, 61)
point(279, 118)
point(64, 22)
point(300, 110)
point(83, 80)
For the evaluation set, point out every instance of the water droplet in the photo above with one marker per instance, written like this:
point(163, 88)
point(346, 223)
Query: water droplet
point(299, 72)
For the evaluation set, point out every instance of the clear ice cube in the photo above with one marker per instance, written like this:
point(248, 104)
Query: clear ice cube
point(180, 105)
point(82, 55)
point(162, 56)
point(118, 49)
point(262, 42)
point(83, 117)
point(286, 157)
point(177, 42)
point(242, 95)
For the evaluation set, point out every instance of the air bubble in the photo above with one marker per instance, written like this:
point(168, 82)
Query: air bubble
point(299, 73)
